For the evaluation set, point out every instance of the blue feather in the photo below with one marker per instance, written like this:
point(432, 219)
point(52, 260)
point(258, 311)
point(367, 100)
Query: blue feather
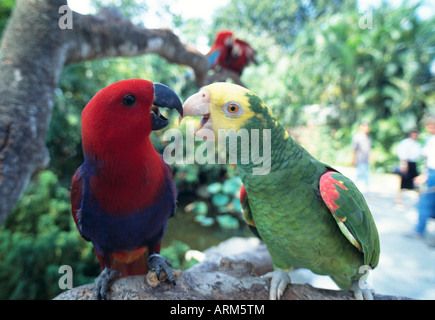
point(213, 57)
point(111, 233)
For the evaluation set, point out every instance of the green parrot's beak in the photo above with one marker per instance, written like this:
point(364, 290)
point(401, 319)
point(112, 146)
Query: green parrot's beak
point(199, 105)
point(166, 98)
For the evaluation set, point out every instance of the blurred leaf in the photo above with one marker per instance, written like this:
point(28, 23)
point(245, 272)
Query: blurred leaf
point(227, 221)
point(220, 199)
point(214, 188)
point(204, 221)
point(197, 207)
point(231, 186)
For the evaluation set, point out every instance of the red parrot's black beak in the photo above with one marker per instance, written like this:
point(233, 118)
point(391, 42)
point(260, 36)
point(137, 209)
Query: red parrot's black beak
point(164, 97)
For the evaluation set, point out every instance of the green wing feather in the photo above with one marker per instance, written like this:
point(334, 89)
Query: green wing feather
point(352, 214)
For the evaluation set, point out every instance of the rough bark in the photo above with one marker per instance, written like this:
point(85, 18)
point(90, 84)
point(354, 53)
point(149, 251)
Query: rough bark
point(216, 278)
point(33, 52)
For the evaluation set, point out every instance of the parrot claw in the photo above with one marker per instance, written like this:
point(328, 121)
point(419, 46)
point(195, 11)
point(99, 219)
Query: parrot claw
point(278, 284)
point(361, 294)
point(102, 283)
point(157, 263)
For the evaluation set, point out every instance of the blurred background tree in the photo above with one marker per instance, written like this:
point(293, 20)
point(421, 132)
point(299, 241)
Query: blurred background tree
point(319, 65)
point(317, 69)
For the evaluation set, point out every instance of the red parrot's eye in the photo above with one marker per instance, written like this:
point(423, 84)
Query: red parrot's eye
point(129, 100)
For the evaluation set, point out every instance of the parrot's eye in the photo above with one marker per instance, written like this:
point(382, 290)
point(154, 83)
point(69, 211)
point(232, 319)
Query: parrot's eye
point(129, 100)
point(233, 109)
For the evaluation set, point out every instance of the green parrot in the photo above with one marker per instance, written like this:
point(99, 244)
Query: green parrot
point(307, 213)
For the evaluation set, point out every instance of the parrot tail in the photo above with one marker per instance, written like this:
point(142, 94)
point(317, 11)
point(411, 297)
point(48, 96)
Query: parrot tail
point(131, 263)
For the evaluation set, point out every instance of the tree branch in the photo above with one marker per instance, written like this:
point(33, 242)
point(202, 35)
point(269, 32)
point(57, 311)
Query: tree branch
point(235, 278)
point(109, 34)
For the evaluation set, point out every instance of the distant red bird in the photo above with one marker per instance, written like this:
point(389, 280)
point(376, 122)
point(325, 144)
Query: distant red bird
point(221, 49)
point(230, 53)
point(124, 193)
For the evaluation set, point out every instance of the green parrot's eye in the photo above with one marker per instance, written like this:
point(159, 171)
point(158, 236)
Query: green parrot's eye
point(232, 109)
point(129, 100)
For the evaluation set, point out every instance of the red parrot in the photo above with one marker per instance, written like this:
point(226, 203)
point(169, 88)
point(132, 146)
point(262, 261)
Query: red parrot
point(230, 53)
point(124, 193)
point(221, 49)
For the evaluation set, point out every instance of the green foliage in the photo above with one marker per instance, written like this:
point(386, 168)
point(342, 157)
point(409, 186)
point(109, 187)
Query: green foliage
point(227, 221)
point(224, 203)
point(380, 75)
point(176, 253)
point(38, 237)
point(280, 19)
point(130, 9)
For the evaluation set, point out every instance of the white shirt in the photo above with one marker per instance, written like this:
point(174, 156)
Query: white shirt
point(408, 149)
point(429, 152)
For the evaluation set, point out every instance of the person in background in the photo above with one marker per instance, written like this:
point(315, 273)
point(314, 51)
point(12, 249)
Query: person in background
point(408, 152)
point(361, 146)
point(426, 205)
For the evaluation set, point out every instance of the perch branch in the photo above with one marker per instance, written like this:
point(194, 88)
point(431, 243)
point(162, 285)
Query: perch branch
point(235, 278)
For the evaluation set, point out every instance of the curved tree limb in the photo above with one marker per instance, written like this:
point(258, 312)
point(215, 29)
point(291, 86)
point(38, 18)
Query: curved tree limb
point(33, 52)
point(109, 34)
point(215, 278)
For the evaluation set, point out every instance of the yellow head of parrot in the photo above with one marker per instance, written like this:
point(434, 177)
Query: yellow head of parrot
point(222, 105)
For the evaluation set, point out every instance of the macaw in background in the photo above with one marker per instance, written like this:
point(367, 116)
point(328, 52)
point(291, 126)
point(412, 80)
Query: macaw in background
point(230, 53)
point(221, 48)
point(307, 213)
point(124, 193)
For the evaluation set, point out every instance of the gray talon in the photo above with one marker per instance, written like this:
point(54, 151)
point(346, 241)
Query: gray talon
point(102, 283)
point(157, 263)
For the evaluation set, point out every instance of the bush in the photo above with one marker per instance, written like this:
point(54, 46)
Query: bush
point(37, 238)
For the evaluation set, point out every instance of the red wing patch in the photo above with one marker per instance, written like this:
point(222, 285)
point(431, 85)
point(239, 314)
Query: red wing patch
point(243, 195)
point(328, 190)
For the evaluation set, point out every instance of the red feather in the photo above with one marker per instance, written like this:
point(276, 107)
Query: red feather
point(243, 195)
point(328, 190)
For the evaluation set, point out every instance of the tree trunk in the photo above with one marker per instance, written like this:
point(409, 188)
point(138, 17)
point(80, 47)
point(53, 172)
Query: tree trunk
point(33, 51)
